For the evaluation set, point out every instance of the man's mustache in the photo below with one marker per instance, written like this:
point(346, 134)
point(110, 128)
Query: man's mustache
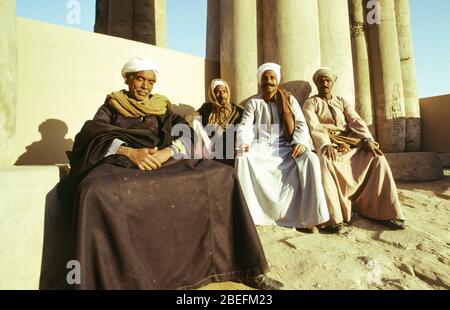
point(268, 84)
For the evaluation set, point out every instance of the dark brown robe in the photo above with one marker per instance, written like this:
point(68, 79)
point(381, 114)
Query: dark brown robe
point(181, 226)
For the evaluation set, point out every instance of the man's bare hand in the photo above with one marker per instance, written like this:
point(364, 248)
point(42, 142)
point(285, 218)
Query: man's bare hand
point(239, 151)
point(144, 158)
point(163, 155)
point(372, 147)
point(297, 150)
point(329, 151)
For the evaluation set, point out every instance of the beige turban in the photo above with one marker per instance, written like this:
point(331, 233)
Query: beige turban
point(269, 66)
point(324, 71)
point(137, 64)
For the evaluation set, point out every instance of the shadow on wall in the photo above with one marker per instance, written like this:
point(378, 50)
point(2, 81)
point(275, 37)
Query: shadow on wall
point(58, 243)
point(52, 147)
point(301, 90)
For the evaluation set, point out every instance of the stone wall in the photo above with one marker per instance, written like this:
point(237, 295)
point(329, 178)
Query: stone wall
point(62, 85)
point(435, 119)
point(8, 79)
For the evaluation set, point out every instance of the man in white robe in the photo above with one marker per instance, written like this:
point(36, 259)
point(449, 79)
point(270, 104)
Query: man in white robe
point(279, 174)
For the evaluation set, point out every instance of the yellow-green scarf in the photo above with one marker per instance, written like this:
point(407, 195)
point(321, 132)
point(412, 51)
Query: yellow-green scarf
point(222, 115)
point(344, 143)
point(128, 107)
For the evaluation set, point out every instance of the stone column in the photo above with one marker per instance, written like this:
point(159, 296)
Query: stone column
point(149, 22)
point(213, 30)
point(101, 16)
point(120, 16)
point(290, 37)
point(238, 54)
point(8, 80)
point(387, 80)
point(268, 44)
point(160, 23)
point(139, 20)
point(335, 45)
point(361, 67)
point(143, 23)
point(412, 107)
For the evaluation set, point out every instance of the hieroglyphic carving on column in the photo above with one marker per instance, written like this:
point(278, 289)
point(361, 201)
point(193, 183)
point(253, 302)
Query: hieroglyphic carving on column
point(361, 66)
point(397, 110)
point(357, 29)
point(410, 91)
point(387, 80)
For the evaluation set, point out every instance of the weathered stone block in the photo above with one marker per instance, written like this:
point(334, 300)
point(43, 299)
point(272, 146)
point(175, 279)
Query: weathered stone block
point(417, 166)
point(445, 159)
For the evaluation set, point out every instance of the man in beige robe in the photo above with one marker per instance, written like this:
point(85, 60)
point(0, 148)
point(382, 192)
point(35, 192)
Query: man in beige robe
point(355, 173)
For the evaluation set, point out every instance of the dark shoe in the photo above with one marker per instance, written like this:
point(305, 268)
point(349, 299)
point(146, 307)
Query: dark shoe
point(334, 229)
point(263, 282)
point(394, 224)
point(309, 230)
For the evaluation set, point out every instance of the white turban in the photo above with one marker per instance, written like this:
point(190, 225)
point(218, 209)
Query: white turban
point(217, 82)
point(137, 64)
point(324, 71)
point(269, 66)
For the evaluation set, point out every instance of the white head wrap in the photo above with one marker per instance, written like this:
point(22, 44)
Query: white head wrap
point(217, 82)
point(324, 71)
point(269, 66)
point(137, 64)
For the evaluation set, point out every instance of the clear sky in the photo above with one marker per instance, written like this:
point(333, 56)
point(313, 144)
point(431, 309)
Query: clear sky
point(186, 27)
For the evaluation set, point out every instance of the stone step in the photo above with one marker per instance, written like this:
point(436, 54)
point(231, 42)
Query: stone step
point(31, 229)
point(445, 159)
point(415, 166)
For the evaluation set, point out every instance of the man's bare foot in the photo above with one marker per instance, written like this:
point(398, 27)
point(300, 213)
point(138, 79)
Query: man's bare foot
point(308, 230)
point(394, 224)
point(333, 229)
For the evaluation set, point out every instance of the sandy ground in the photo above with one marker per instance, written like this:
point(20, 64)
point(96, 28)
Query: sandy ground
point(368, 255)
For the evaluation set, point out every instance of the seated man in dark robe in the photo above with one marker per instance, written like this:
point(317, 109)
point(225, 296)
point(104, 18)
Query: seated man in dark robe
point(214, 123)
point(144, 220)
